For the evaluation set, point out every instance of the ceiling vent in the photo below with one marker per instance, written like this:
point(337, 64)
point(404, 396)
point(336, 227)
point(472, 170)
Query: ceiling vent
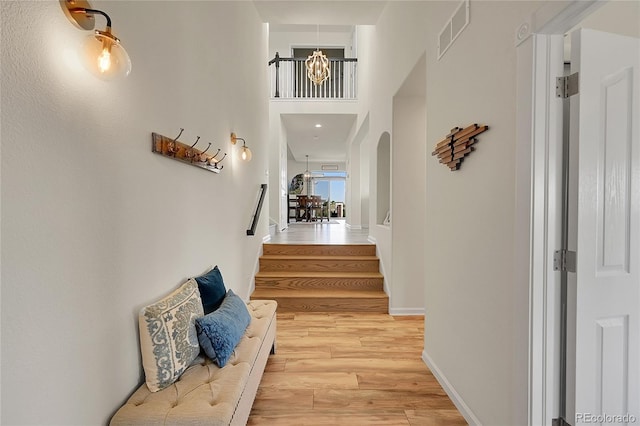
point(329, 167)
point(454, 26)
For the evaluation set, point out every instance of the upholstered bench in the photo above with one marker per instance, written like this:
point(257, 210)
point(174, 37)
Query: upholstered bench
point(206, 393)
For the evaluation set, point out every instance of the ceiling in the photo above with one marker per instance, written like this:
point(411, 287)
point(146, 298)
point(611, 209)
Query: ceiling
point(326, 12)
point(328, 143)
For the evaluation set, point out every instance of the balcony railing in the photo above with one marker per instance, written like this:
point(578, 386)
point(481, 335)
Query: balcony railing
point(289, 79)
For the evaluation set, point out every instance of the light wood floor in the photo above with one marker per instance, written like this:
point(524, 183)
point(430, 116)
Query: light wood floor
point(350, 369)
point(321, 233)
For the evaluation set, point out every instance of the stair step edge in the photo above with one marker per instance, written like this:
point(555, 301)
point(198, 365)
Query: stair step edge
point(318, 274)
point(343, 294)
point(314, 257)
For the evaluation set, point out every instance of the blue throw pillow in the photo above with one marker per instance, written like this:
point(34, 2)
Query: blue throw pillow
point(212, 290)
point(220, 331)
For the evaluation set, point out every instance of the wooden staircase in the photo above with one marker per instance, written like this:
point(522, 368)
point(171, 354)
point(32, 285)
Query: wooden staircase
point(321, 278)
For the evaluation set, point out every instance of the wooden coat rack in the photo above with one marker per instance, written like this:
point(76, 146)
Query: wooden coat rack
point(452, 150)
point(187, 154)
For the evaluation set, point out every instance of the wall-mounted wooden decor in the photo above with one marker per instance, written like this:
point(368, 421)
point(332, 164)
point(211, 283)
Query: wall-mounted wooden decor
point(457, 145)
point(184, 153)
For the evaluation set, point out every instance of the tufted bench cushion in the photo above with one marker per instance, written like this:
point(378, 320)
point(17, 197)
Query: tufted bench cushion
point(206, 393)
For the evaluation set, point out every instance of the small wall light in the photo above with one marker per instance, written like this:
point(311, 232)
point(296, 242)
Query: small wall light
point(102, 53)
point(245, 153)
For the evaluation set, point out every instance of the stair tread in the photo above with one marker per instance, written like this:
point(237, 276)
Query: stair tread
point(318, 274)
point(320, 293)
point(320, 244)
point(315, 257)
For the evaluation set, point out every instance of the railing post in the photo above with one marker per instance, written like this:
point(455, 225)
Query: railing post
point(277, 75)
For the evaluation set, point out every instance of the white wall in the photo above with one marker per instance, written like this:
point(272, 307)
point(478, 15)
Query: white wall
point(297, 167)
point(618, 17)
point(283, 41)
point(408, 197)
point(277, 168)
point(469, 217)
point(94, 225)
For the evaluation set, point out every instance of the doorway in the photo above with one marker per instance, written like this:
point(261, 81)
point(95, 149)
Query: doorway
point(331, 187)
point(605, 362)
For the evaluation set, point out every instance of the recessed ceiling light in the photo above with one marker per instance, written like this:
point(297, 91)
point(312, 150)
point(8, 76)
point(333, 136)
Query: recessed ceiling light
point(318, 125)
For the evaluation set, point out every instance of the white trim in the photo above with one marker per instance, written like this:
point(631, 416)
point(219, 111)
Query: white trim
point(385, 283)
point(371, 239)
point(354, 227)
point(266, 238)
point(559, 17)
point(538, 124)
point(523, 32)
point(455, 397)
point(256, 267)
point(398, 312)
point(539, 180)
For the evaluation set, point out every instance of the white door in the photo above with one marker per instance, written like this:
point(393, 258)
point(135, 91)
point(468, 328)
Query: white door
point(606, 286)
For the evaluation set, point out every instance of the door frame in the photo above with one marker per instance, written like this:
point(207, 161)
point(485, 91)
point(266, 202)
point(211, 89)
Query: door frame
point(539, 47)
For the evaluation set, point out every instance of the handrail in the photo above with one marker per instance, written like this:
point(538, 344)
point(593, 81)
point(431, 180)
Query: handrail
point(342, 82)
point(256, 215)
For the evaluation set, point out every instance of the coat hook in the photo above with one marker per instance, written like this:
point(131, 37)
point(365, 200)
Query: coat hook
point(172, 146)
point(212, 160)
point(203, 157)
point(191, 152)
point(217, 165)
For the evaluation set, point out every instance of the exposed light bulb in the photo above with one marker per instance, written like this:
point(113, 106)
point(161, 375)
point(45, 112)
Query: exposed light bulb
point(102, 54)
point(245, 155)
point(104, 61)
point(105, 57)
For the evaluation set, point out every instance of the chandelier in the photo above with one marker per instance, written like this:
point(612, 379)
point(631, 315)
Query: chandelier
point(317, 63)
point(317, 67)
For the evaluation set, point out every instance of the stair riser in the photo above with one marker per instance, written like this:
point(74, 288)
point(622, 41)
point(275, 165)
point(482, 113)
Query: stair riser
point(302, 304)
point(319, 265)
point(320, 250)
point(319, 283)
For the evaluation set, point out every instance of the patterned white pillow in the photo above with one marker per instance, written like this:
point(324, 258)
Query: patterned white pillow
point(168, 337)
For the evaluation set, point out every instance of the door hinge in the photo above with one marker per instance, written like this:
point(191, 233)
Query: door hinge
point(559, 422)
point(564, 260)
point(567, 86)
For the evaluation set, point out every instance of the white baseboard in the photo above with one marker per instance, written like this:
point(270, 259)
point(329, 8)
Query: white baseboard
point(406, 311)
point(371, 239)
point(356, 227)
point(453, 395)
point(256, 267)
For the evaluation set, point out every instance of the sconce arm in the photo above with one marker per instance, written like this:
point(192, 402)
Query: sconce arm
point(92, 12)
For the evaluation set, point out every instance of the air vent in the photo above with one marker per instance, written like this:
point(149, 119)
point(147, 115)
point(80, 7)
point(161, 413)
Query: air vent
point(454, 26)
point(329, 167)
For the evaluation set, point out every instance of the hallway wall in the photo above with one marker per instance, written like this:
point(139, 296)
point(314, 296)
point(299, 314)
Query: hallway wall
point(408, 194)
point(95, 225)
point(475, 325)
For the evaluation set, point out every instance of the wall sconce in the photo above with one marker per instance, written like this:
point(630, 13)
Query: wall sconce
point(102, 53)
point(245, 153)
